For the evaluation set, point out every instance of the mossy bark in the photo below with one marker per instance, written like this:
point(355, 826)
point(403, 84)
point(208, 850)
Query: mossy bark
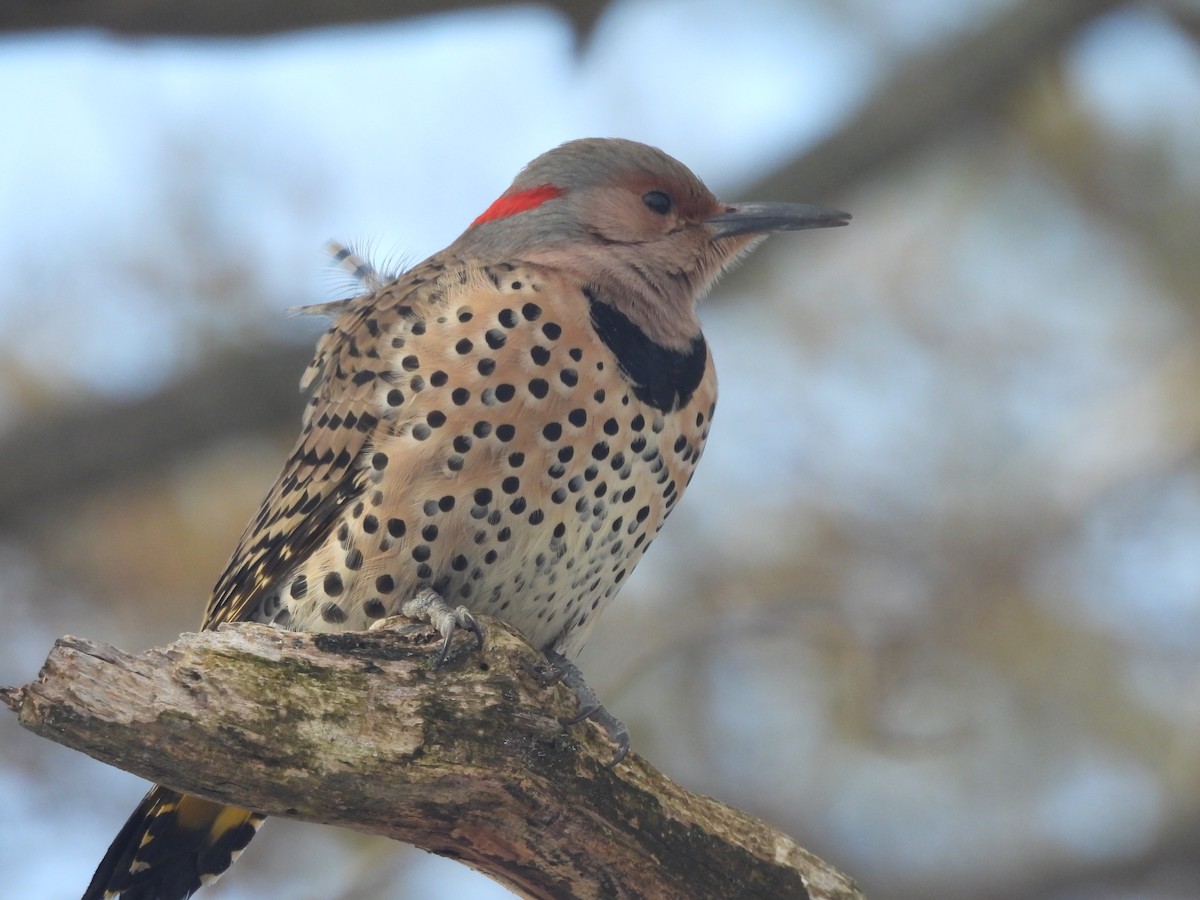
point(470, 761)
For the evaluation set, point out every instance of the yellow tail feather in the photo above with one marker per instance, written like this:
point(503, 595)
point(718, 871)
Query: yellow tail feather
point(172, 845)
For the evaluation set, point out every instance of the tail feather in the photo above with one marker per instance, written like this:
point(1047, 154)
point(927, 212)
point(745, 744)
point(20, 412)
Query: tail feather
point(172, 845)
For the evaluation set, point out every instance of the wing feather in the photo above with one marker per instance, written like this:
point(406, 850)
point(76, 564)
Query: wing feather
point(349, 380)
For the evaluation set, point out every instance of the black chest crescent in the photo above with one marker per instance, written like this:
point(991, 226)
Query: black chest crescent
point(661, 377)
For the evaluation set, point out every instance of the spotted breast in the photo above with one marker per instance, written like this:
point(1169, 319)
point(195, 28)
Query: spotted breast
point(496, 433)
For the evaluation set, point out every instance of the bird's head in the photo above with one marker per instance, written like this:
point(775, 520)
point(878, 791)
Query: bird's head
point(633, 222)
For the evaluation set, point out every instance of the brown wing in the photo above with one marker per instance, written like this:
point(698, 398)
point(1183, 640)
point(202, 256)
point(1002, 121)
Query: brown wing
point(324, 472)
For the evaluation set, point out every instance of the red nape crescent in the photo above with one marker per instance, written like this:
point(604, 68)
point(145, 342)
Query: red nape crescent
point(511, 204)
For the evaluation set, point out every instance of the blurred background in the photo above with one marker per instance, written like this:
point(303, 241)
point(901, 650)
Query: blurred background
point(932, 603)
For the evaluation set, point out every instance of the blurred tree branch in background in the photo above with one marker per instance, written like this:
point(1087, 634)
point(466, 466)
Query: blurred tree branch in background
point(201, 18)
point(256, 390)
point(1185, 14)
point(57, 456)
point(933, 94)
point(471, 762)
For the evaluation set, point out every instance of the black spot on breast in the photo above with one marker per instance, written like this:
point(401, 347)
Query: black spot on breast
point(662, 377)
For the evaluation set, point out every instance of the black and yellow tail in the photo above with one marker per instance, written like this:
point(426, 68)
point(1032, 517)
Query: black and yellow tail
point(171, 845)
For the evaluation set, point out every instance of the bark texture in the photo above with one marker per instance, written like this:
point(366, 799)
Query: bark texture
point(471, 761)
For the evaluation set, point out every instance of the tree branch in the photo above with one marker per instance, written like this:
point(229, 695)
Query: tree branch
point(967, 80)
point(470, 761)
point(203, 18)
point(255, 390)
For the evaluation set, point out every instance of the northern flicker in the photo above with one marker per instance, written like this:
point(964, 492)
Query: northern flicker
point(502, 429)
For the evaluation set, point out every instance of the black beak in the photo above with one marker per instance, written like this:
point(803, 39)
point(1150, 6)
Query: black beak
point(761, 218)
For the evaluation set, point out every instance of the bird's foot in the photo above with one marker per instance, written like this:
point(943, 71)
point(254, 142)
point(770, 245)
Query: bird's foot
point(591, 708)
point(429, 606)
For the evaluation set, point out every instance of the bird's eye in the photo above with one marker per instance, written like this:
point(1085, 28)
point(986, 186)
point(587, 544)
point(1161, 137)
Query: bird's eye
point(658, 202)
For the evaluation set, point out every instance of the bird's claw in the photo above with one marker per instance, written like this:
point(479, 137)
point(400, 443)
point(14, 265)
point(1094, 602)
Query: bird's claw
point(591, 708)
point(429, 606)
